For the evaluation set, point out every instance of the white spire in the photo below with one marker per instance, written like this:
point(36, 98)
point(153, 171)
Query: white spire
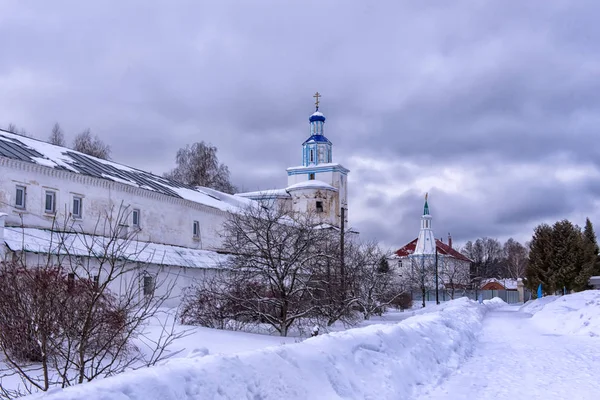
point(426, 240)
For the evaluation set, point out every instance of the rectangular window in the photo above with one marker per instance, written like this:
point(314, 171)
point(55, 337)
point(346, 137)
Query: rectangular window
point(148, 285)
point(311, 176)
point(196, 229)
point(20, 197)
point(312, 155)
point(319, 206)
point(136, 217)
point(77, 207)
point(50, 202)
point(96, 282)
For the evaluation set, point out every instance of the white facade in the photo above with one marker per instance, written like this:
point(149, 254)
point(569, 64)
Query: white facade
point(47, 190)
point(318, 185)
point(161, 218)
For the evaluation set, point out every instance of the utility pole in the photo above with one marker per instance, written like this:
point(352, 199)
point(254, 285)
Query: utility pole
point(423, 278)
point(342, 259)
point(437, 295)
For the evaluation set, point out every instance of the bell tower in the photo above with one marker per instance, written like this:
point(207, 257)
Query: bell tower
point(318, 165)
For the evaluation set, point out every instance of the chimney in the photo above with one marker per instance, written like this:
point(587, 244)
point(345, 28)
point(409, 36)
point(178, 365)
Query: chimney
point(449, 240)
point(2, 248)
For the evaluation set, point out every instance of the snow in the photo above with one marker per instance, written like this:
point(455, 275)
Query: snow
point(265, 193)
point(544, 356)
point(320, 165)
point(508, 283)
point(311, 184)
point(57, 156)
point(574, 314)
point(376, 361)
point(43, 241)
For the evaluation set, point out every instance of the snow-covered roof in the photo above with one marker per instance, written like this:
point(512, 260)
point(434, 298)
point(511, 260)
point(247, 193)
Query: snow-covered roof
point(311, 184)
point(508, 283)
point(264, 194)
point(443, 249)
point(48, 242)
point(334, 166)
point(61, 158)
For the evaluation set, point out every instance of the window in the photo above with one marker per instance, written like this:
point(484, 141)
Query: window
point(136, 217)
point(311, 176)
point(96, 282)
point(20, 197)
point(148, 285)
point(196, 229)
point(312, 155)
point(50, 202)
point(319, 206)
point(77, 207)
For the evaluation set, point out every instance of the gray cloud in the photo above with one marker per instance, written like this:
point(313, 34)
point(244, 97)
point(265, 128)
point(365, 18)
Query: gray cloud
point(483, 105)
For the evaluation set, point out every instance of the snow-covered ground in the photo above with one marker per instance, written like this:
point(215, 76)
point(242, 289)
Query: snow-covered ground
point(548, 349)
point(377, 361)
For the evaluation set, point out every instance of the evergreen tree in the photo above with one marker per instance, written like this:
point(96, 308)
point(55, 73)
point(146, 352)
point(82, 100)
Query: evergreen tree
point(589, 255)
point(540, 256)
point(566, 260)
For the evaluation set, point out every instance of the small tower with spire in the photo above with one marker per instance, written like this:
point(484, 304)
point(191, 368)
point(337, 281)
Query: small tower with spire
point(426, 240)
point(317, 148)
point(319, 172)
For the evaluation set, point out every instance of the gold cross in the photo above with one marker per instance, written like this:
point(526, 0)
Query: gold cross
point(316, 96)
point(426, 196)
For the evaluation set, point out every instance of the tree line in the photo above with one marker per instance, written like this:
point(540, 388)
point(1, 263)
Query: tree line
point(493, 259)
point(562, 257)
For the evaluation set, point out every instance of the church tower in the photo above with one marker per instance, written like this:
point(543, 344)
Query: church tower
point(318, 168)
point(426, 240)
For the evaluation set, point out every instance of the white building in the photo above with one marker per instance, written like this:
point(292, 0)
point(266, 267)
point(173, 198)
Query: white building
point(319, 185)
point(417, 259)
point(49, 192)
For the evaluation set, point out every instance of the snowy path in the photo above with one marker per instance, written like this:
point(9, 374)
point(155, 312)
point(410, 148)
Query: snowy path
point(515, 360)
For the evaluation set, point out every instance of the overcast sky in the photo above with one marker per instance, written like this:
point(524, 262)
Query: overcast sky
point(491, 107)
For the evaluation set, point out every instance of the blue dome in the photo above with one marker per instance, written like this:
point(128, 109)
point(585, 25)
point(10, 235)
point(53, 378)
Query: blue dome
point(317, 116)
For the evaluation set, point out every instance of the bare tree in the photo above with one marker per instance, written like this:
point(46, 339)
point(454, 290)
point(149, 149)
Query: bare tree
point(487, 256)
point(270, 275)
point(419, 274)
point(71, 316)
point(198, 165)
point(19, 131)
point(91, 145)
point(453, 274)
point(377, 284)
point(516, 256)
point(57, 137)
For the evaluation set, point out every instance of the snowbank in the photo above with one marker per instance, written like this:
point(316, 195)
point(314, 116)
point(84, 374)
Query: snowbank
point(378, 361)
point(573, 314)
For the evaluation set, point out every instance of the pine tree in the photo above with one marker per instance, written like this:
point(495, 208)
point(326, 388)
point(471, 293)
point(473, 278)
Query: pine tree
point(589, 255)
point(566, 260)
point(540, 256)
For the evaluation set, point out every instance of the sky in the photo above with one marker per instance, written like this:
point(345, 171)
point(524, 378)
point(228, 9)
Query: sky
point(492, 108)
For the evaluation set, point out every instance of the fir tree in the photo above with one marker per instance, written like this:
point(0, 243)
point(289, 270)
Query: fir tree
point(566, 261)
point(589, 255)
point(540, 256)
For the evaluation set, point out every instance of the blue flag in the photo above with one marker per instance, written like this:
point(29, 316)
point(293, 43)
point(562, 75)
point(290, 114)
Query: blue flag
point(539, 294)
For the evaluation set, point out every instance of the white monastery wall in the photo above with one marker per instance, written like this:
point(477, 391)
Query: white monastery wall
point(163, 219)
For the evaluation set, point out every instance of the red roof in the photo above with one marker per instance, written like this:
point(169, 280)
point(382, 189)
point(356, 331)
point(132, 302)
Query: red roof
point(442, 248)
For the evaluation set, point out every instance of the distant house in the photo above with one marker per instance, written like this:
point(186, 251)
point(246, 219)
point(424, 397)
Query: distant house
point(416, 259)
point(499, 284)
